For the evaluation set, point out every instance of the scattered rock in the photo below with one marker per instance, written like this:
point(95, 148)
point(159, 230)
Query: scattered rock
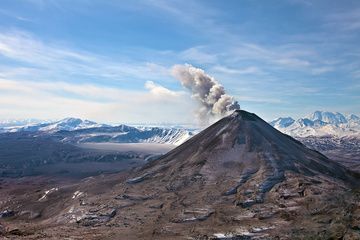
point(125, 205)
point(132, 197)
point(230, 236)
point(197, 214)
point(137, 179)
point(156, 205)
point(355, 226)
point(7, 213)
point(231, 191)
point(260, 229)
point(301, 192)
point(246, 204)
point(2, 230)
point(264, 215)
point(248, 192)
point(337, 231)
point(18, 232)
point(352, 235)
point(246, 215)
point(90, 219)
point(31, 214)
point(286, 196)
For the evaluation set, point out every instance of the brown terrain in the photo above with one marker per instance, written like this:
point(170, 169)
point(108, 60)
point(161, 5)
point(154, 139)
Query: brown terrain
point(238, 179)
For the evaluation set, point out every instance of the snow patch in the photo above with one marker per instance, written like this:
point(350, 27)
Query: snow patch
point(77, 194)
point(47, 192)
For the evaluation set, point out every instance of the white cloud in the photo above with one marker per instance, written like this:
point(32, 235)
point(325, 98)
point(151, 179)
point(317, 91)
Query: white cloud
point(197, 15)
point(227, 70)
point(321, 70)
point(14, 15)
point(280, 56)
point(161, 92)
point(54, 100)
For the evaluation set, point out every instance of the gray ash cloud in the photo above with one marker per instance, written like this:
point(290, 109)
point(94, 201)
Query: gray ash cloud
point(211, 96)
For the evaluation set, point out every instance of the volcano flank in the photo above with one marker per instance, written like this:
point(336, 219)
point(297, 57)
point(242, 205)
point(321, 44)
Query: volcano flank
point(242, 172)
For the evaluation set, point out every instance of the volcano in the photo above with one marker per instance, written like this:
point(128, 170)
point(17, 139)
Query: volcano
point(239, 148)
point(243, 172)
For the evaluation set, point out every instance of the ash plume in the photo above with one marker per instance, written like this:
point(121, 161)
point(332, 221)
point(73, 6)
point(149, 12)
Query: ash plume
point(211, 96)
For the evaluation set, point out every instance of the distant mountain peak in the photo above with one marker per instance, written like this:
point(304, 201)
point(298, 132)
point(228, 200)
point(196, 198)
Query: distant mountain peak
point(328, 117)
point(353, 117)
point(72, 120)
point(282, 122)
point(320, 123)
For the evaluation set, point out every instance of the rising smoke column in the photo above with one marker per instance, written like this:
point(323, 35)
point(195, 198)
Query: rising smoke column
point(211, 96)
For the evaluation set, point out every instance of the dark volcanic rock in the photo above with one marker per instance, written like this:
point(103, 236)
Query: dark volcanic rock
point(2, 229)
point(132, 197)
point(92, 219)
point(7, 213)
point(191, 215)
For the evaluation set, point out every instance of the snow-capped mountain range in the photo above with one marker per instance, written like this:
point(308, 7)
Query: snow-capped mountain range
point(127, 134)
point(319, 124)
point(5, 123)
point(67, 124)
point(75, 130)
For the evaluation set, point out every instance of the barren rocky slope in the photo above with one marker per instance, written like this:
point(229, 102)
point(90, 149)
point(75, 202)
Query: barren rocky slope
point(345, 150)
point(238, 179)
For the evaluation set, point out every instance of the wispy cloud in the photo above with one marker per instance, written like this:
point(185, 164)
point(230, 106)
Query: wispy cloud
point(321, 70)
point(64, 61)
point(197, 14)
point(281, 55)
point(228, 70)
point(29, 98)
point(16, 16)
point(348, 20)
point(356, 74)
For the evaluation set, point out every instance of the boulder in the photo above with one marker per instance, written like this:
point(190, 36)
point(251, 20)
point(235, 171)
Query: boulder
point(7, 213)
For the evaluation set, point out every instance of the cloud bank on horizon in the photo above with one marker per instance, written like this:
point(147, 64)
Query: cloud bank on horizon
point(210, 95)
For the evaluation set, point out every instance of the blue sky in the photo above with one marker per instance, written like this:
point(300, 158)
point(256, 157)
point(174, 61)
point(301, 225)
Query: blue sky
point(111, 61)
